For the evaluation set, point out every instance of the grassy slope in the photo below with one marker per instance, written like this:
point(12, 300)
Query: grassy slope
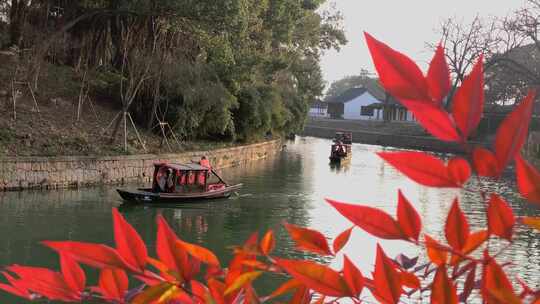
point(54, 130)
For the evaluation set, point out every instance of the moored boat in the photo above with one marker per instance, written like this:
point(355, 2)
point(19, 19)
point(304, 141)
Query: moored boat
point(179, 183)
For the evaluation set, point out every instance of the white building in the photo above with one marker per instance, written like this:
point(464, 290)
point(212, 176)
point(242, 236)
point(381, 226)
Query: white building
point(361, 104)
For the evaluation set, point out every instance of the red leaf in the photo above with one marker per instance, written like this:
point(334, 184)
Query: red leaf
point(172, 255)
point(399, 75)
point(528, 180)
point(438, 76)
point(436, 252)
point(45, 282)
point(113, 284)
point(496, 286)
point(372, 220)
point(316, 276)
point(128, 242)
point(308, 239)
point(73, 273)
point(268, 242)
point(353, 277)
point(16, 288)
point(459, 170)
point(474, 241)
point(409, 279)
point(95, 255)
point(424, 168)
point(200, 253)
point(217, 290)
point(408, 219)
point(501, 219)
point(443, 290)
point(485, 162)
point(433, 118)
point(469, 285)
point(513, 131)
point(284, 288)
point(342, 239)
point(386, 279)
point(457, 227)
point(468, 104)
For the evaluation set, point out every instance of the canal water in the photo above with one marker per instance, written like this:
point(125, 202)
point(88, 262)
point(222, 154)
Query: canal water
point(290, 187)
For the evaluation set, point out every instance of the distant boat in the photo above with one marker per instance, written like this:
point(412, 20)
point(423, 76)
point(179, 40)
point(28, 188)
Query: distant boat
point(341, 149)
point(178, 183)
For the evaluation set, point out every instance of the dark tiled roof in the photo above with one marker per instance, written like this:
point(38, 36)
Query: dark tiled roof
point(348, 95)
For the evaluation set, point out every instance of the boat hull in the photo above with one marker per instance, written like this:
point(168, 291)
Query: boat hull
point(143, 196)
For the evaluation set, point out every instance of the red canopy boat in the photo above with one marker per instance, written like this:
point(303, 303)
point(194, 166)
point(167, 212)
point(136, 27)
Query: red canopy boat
point(177, 183)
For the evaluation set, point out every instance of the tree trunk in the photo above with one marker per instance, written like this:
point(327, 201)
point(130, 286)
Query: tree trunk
point(17, 16)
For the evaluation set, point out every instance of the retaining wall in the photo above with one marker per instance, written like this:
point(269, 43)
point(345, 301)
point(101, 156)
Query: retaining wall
point(17, 173)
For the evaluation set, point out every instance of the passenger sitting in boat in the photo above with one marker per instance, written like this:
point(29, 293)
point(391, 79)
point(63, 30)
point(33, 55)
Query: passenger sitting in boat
point(204, 162)
point(170, 182)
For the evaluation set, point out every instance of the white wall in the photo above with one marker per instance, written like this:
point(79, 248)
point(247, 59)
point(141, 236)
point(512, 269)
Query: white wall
point(351, 109)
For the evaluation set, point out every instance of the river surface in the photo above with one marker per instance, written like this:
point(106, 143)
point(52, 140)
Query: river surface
point(290, 186)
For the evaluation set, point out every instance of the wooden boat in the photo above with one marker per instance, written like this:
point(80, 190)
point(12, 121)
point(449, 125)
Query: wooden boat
point(341, 149)
point(179, 183)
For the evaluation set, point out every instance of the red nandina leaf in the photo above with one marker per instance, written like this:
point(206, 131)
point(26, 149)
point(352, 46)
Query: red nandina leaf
point(286, 287)
point(372, 220)
point(408, 219)
point(468, 104)
point(268, 242)
point(533, 222)
point(474, 241)
point(16, 288)
point(501, 218)
point(200, 253)
point(438, 76)
point(485, 162)
point(45, 282)
point(443, 290)
point(316, 276)
point(113, 284)
point(95, 255)
point(528, 180)
point(172, 255)
point(308, 239)
point(217, 290)
point(353, 277)
point(156, 294)
point(73, 273)
point(433, 118)
point(386, 278)
point(469, 284)
point(409, 279)
point(457, 227)
point(399, 75)
point(496, 286)
point(128, 242)
point(512, 132)
point(436, 252)
point(301, 296)
point(459, 170)
point(422, 168)
point(342, 240)
point(199, 291)
point(242, 280)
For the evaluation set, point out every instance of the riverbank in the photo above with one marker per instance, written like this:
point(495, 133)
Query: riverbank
point(33, 172)
point(404, 135)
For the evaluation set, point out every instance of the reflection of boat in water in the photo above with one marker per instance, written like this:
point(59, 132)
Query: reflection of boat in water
point(340, 166)
point(178, 183)
point(341, 149)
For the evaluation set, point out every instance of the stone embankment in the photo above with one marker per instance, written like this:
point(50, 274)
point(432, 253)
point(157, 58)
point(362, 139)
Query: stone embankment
point(17, 173)
point(406, 135)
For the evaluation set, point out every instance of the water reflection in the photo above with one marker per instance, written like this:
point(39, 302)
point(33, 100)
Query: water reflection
point(288, 187)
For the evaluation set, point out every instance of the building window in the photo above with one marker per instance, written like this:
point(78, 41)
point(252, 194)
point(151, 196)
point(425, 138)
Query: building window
point(366, 111)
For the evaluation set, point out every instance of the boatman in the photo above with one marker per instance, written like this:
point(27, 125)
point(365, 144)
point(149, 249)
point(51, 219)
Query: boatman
point(203, 176)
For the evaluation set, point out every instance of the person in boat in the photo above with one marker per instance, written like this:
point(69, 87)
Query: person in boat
point(169, 185)
point(205, 162)
point(203, 175)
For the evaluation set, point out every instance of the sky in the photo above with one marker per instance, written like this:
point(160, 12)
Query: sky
point(404, 25)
